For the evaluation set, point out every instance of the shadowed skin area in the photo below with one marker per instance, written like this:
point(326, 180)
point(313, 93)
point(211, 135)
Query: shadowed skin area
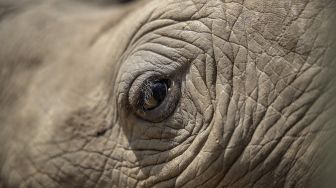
point(153, 93)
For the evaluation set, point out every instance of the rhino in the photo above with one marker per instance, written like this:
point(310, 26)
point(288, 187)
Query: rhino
point(167, 93)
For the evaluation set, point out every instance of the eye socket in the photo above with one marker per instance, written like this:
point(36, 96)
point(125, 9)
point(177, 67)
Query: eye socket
point(154, 98)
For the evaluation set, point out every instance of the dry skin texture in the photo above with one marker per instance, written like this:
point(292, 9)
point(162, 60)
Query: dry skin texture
point(248, 102)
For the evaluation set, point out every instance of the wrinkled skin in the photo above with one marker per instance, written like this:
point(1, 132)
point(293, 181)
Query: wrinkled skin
point(252, 105)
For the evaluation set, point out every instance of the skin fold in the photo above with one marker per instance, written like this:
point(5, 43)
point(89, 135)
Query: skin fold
point(247, 93)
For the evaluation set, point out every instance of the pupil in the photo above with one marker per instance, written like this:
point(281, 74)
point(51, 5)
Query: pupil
point(159, 91)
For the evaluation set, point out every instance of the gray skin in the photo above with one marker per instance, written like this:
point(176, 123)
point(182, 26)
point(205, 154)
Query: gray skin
point(250, 100)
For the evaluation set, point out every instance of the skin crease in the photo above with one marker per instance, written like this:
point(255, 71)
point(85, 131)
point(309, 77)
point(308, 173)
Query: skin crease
point(255, 79)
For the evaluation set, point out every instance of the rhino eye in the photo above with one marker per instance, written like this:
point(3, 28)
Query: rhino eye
point(153, 94)
point(154, 98)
